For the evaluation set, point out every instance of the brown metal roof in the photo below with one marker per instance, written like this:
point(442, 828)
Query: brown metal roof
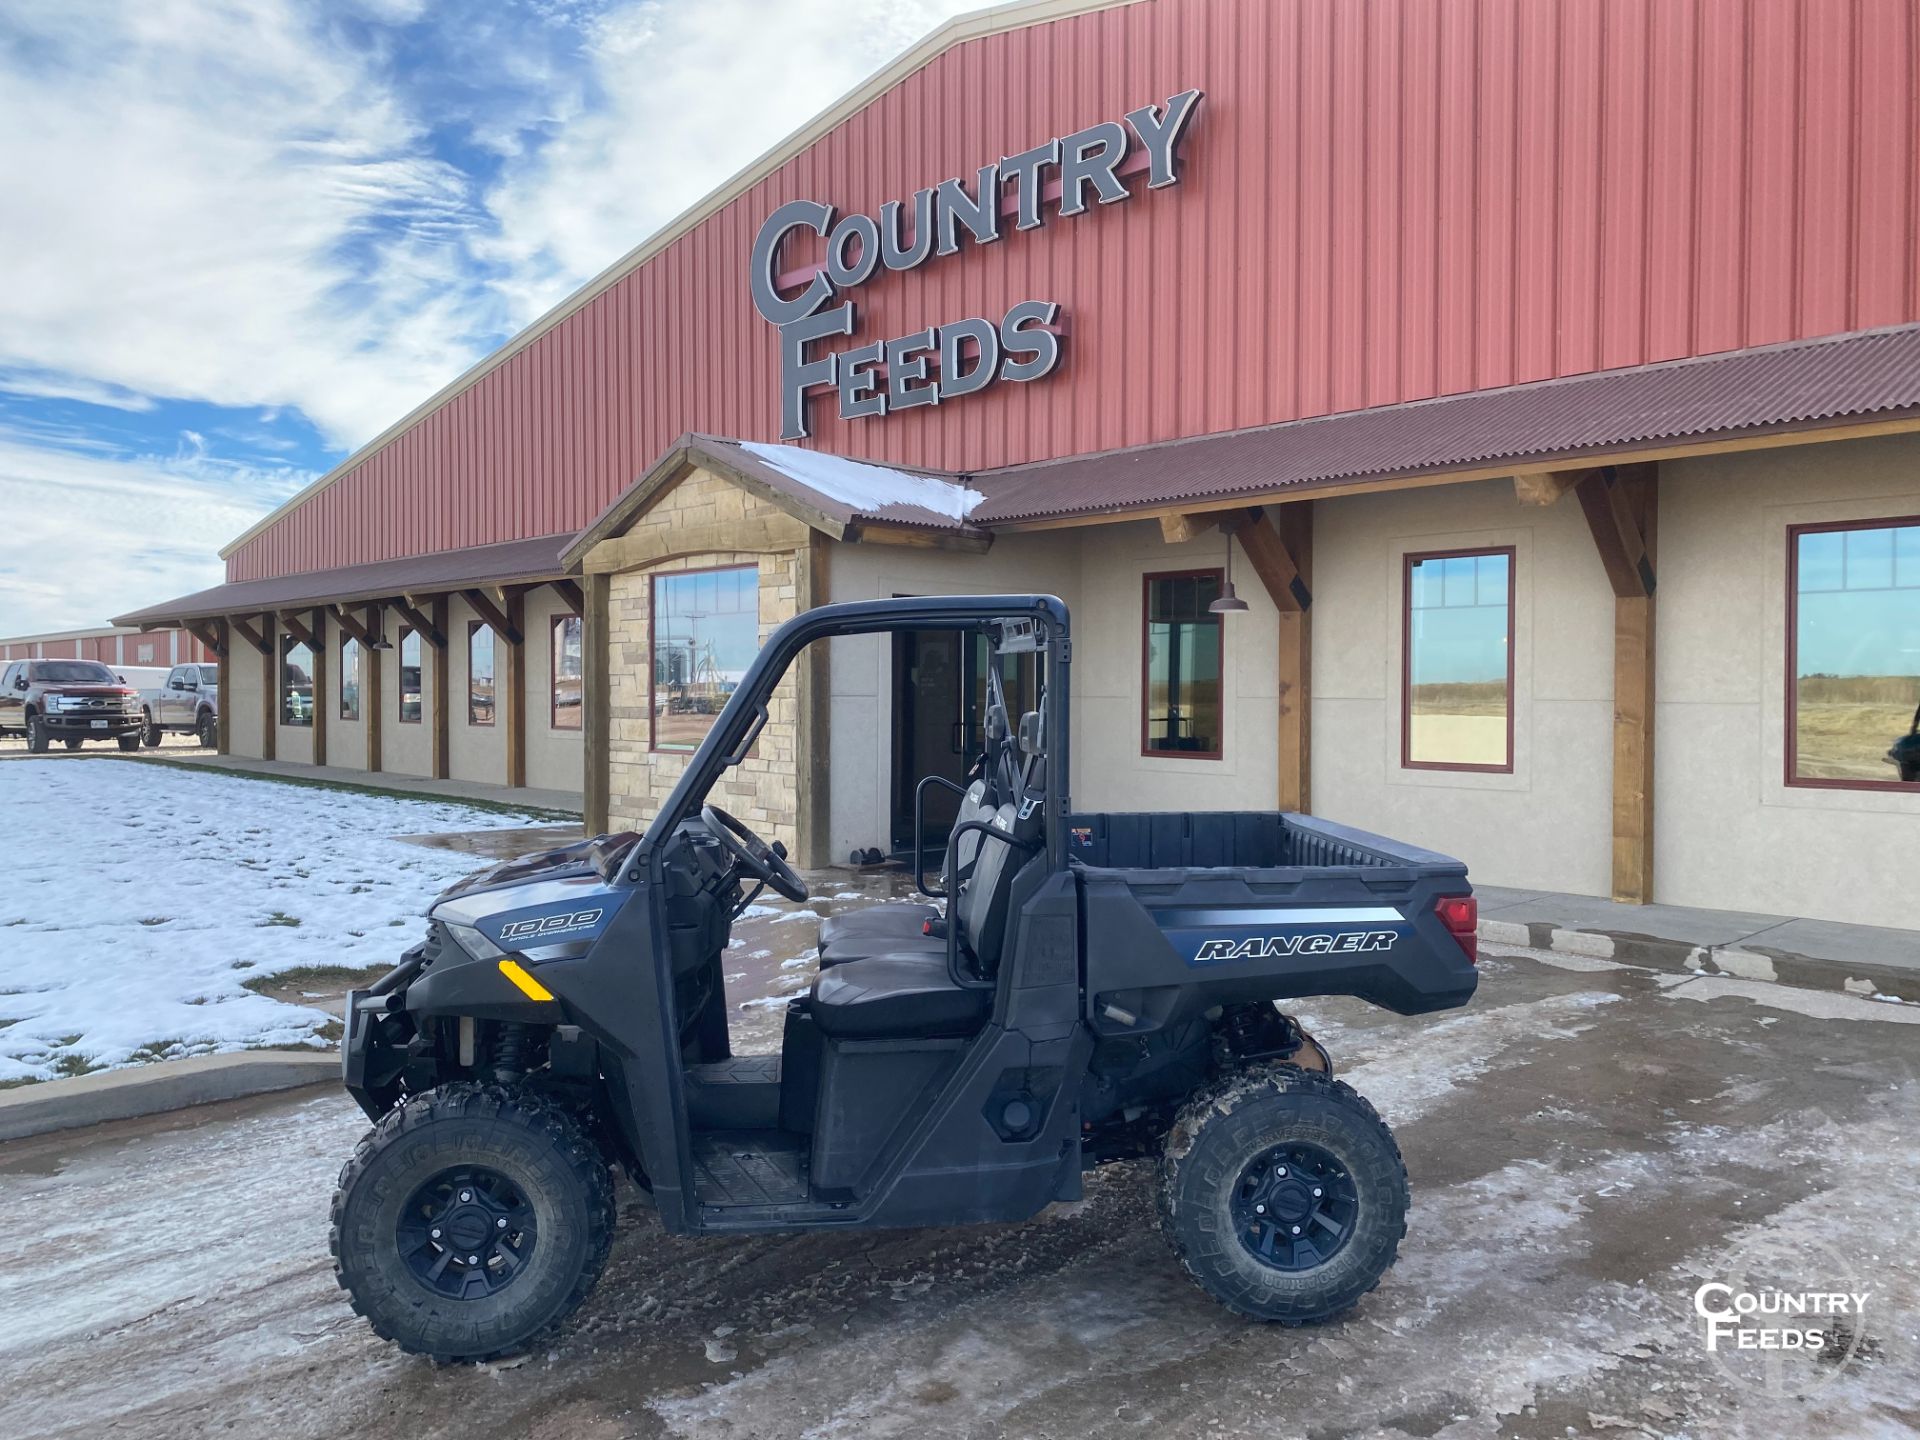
point(515, 562)
point(1799, 385)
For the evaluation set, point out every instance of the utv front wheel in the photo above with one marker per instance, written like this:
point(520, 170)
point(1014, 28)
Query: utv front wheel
point(1283, 1194)
point(471, 1222)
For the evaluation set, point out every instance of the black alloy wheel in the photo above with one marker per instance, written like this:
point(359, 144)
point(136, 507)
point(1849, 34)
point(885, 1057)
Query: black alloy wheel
point(467, 1233)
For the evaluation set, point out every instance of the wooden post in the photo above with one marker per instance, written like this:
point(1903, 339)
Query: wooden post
point(597, 699)
point(442, 701)
point(373, 669)
point(812, 790)
point(514, 634)
point(1621, 505)
point(1295, 667)
point(318, 626)
point(270, 691)
point(223, 721)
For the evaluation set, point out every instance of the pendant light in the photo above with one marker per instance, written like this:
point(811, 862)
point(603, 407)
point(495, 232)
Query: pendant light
point(1228, 603)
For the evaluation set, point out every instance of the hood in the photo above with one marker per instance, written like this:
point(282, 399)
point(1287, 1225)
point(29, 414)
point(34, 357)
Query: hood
point(584, 858)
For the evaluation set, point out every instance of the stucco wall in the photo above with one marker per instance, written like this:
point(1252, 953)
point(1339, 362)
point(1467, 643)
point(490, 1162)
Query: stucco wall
point(763, 790)
point(1548, 825)
point(346, 739)
point(240, 697)
point(405, 749)
point(1728, 831)
point(474, 752)
point(554, 757)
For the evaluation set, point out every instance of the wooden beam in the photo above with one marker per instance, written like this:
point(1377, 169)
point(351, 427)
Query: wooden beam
point(1547, 486)
point(442, 702)
point(1294, 667)
point(516, 690)
point(256, 638)
point(322, 705)
point(270, 691)
point(291, 622)
point(373, 685)
point(1621, 510)
point(1180, 526)
point(569, 592)
point(965, 542)
point(208, 634)
point(436, 639)
point(352, 626)
point(598, 703)
point(1619, 533)
point(1278, 569)
point(490, 612)
point(223, 719)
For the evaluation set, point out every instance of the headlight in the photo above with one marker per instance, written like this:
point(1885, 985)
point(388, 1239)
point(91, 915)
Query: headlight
point(56, 703)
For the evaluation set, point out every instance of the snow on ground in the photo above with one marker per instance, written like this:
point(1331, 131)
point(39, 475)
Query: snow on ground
point(138, 898)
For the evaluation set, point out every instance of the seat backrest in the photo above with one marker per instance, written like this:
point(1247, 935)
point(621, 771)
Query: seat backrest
point(964, 845)
point(982, 908)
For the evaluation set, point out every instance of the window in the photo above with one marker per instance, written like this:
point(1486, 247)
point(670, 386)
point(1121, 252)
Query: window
point(296, 681)
point(409, 677)
point(569, 685)
point(349, 678)
point(1853, 655)
point(1457, 662)
point(706, 629)
point(479, 673)
point(210, 675)
point(1180, 689)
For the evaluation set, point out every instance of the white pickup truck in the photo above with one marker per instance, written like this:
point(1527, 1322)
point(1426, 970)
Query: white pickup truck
point(187, 702)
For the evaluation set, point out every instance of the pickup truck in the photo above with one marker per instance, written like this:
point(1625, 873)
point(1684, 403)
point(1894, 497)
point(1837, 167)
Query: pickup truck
point(72, 701)
point(187, 702)
point(1097, 987)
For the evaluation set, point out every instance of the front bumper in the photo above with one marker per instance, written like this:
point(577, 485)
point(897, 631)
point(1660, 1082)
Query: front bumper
point(68, 725)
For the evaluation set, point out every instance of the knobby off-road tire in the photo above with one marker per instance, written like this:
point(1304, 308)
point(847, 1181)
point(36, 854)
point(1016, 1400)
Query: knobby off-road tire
point(539, 1169)
point(1287, 1140)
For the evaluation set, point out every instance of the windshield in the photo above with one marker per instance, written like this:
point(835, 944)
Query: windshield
point(72, 672)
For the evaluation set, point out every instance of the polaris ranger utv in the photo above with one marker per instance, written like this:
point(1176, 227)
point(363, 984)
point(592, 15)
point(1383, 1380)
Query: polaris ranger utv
point(1094, 988)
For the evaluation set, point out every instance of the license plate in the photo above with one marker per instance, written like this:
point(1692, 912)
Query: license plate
point(99, 724)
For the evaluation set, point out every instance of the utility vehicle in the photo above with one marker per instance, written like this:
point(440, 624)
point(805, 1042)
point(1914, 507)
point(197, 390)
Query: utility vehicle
point(1095, 987)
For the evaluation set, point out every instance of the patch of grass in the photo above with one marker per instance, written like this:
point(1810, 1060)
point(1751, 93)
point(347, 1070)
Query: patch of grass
point(280, 917)
point(70, 1066)
point(155, 1051)
point(346, 975)
point(18, 1081)
point(498, 807)
point(331, 1032)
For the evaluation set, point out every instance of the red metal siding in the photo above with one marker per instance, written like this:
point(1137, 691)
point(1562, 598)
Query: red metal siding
point(1382, 201)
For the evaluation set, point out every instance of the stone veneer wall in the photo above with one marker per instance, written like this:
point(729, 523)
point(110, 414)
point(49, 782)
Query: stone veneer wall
point(763, 790)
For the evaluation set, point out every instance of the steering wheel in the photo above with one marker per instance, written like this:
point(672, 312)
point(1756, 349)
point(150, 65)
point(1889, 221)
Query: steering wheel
point(756, 857)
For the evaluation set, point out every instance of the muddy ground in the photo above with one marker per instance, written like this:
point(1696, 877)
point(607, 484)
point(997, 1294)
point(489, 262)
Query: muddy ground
point(1586, 1145)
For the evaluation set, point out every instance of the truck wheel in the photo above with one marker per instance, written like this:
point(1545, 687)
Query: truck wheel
point(72, 744)
point(471, 1222)
point(150, 737)
point(1283, 1194)
point(208, 730)
point(36, 735)
point(130, 740)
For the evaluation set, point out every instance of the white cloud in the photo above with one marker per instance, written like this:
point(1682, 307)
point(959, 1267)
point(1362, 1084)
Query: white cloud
point(213, 200)
point(38, 385)
point(682, 95)
point(90, 537)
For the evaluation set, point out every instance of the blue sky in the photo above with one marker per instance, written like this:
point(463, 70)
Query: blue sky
point(243, 236)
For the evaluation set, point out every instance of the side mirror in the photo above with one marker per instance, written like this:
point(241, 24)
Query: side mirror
point(21, 683)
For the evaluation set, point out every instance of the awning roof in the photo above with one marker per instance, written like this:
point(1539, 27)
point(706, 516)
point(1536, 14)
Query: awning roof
point(1582, 419)
point(514, 562)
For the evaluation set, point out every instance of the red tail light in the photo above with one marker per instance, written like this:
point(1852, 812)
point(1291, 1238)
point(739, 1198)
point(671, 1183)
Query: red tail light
point(1461, 915)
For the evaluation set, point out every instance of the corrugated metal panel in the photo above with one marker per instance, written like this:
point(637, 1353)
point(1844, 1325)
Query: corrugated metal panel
point(1803, 383)
point(1384, 201)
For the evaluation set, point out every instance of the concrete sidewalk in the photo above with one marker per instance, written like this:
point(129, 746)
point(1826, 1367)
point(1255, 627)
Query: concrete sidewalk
point(1818, 954)
point(564, 802)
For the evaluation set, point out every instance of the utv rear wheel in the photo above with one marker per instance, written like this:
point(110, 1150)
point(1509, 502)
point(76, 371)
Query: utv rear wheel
point(471, 1222)
point(1284, 1194)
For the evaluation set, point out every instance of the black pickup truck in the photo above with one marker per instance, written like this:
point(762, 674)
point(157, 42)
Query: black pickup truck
point(1090, 988)
point(72, 701)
